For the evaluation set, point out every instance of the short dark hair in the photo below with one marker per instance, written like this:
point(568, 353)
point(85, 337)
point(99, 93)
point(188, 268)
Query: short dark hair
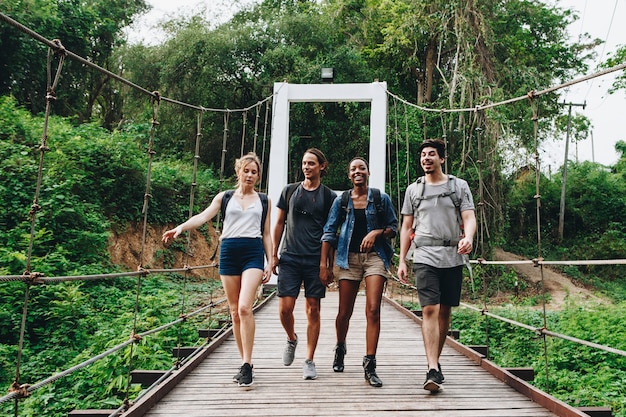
point(438, 144)
point(359, 158)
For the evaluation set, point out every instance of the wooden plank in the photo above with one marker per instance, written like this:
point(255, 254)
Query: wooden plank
point(208, 333)
point(145, 377)
point(597, 411)
point(482, 349)
point(527, 374)
point(184, 351)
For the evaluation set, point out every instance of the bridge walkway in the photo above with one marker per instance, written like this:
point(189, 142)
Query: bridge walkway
point(470, 390)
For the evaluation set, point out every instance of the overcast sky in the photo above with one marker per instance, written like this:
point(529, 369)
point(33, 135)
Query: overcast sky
point(603, 19)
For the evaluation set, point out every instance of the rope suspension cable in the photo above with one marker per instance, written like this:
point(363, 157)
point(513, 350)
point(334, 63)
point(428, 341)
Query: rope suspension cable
point(194, 179)
point(38, 278)
point(256, 128)
point(267, 110)
point(545, 332)
point(407, 144)
point(482, 217)
point(43, 148)
point(26, 389)
point(218, 229)
point(388, 171)
point(243, 131)
point(147, 195)
point(192, 193)
point(444, 137)
point(533, 93)
point(396, 135)
point(535, 119)
point(391, 136)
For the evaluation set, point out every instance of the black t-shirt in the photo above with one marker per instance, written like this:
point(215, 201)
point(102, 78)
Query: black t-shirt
point(306, 217)
point(359, 231)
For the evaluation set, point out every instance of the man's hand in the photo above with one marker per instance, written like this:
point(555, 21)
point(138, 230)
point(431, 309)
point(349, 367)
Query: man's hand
point(403, 275)
point(465, 246)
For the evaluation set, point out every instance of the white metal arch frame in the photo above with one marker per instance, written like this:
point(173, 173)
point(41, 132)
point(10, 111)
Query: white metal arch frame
point(285, 93)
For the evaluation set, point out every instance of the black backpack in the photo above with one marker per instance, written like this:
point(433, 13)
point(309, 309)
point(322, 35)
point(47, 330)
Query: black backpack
point(228, 194)
point(380, 212)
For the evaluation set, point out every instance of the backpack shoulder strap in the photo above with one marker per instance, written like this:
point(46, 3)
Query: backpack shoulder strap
point(380, 212)
point(417, 198)
point(292, 188)
point(264, 205)
point(453, 191)
point(377, 199)
point(228, 194)
point(345, 197)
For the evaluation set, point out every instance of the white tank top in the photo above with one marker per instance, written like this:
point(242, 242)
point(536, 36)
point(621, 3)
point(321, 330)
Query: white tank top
point(242, 223)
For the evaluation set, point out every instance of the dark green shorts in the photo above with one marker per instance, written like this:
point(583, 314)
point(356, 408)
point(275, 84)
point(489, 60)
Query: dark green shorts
point(438, 285)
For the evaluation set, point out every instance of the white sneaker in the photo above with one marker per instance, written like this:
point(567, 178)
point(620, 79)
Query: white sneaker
point(290, 351)
point(308, 370)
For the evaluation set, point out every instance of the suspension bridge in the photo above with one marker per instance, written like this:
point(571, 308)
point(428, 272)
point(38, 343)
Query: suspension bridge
point(199, 384)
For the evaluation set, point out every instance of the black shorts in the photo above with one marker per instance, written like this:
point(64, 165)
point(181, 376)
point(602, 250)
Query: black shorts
point(295, 270)
point(438, 285)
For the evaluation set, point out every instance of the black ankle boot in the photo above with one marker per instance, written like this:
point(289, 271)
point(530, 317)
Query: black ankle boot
point(340, 352)
point(369, 367)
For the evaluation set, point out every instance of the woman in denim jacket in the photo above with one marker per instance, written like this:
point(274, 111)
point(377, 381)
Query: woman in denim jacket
point(360, 234)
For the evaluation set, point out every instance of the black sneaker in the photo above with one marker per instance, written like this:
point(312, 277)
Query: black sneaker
point(340, 352)
point(237, 376)
point(443, 378)
point(433, 380)
point(246, 375)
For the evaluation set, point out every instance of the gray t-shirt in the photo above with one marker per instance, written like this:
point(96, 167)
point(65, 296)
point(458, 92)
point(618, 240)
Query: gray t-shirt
point(437, 218)
point(306, 216)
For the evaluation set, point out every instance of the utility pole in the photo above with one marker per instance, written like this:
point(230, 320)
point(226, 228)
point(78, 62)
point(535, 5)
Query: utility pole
point(569, 125)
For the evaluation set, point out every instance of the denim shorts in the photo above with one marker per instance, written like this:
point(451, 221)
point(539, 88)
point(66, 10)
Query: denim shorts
point(295, 270)
point(438, 285)
point(239, 254)
point(361, 265)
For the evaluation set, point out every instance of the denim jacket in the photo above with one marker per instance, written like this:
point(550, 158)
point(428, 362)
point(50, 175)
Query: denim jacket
point(341, 241)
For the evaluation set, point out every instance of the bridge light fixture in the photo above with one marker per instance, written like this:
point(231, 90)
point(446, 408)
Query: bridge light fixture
point(327, 75)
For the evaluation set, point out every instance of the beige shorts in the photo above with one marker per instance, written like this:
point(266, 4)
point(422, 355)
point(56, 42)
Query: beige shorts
point(363, 265)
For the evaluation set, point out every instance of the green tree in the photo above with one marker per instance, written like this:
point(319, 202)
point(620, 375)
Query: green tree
point(91, 29)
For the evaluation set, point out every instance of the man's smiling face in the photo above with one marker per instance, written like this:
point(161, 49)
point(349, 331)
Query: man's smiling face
point(430, 160)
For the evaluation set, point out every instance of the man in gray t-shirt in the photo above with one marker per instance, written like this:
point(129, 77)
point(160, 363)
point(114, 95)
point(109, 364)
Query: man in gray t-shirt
point(439, 221)
point(302, 212)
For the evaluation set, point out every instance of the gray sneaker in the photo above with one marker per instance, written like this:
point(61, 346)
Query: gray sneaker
point(308, 370)
point(290, 351)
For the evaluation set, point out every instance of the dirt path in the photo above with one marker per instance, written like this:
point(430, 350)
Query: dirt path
point(559, 286)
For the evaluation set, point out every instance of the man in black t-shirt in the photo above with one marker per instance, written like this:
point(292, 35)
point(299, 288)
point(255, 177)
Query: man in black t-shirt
point(302, 213)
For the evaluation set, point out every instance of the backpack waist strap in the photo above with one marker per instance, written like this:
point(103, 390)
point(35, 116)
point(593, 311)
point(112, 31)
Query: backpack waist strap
point(427, 241)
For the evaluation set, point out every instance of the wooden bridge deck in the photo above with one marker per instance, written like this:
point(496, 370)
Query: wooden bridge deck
point(470, 390)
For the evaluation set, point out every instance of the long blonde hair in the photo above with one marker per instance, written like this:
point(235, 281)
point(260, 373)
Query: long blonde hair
point(245, 160)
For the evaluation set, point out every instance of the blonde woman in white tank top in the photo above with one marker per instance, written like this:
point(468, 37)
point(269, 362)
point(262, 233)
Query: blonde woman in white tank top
point(244, 245)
